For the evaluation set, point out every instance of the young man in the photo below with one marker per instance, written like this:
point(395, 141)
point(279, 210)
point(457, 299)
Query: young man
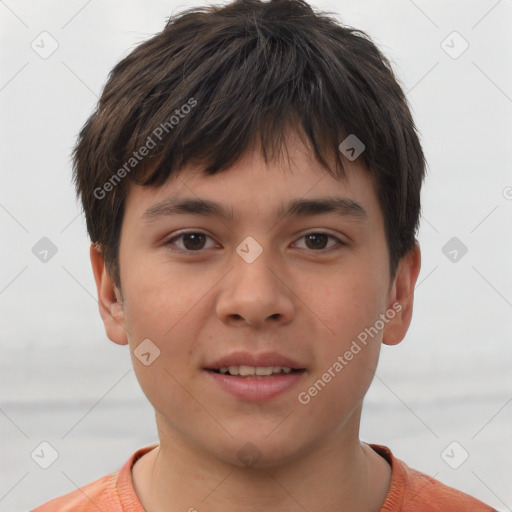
point(251, 183)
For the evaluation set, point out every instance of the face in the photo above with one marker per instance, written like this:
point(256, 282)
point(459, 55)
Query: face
point(260, 287)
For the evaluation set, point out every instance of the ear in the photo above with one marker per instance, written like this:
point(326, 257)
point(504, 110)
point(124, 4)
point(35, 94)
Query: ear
point(401, 297)
point(109, 299)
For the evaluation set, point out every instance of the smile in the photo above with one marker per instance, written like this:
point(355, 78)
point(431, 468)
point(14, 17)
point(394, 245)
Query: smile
point(254, 387)
point(248, 371)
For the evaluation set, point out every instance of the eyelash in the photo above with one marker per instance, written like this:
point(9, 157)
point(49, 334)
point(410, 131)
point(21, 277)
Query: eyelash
point(171, 241)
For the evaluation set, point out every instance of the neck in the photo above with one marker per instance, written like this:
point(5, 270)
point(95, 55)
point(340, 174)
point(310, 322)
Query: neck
point(340, 474)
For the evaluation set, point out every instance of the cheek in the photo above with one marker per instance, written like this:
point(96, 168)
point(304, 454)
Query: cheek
point(340, 378)
point(165, 304)
point(348, 304)
point(166, 311)
point(345, 302)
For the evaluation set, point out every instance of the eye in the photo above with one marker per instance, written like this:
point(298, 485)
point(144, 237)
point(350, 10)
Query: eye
point(193, 241)
point(317, 240)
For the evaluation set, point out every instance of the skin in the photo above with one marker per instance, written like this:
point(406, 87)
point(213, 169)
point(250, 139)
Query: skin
point(305, 302)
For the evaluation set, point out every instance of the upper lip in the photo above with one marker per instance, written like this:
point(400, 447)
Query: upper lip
point(249, 359)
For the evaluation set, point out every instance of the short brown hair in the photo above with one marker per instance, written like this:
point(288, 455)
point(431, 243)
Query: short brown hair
point(247, 71)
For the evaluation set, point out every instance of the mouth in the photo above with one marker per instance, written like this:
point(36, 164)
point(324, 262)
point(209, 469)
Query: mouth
point(255, 372)
point(255, 377)
point(247, 365)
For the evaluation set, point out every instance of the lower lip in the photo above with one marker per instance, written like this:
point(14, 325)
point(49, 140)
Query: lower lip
point(257, 389)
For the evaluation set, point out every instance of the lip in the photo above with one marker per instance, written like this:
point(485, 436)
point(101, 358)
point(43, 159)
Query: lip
point(256, 390)
point(248, 359)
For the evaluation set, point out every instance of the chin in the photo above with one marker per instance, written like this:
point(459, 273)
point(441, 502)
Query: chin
point(262, 451)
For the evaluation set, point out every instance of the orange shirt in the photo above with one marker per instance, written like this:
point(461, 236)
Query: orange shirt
point(410, 491)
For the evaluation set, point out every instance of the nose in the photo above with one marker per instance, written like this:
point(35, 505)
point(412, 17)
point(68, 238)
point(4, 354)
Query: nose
point(256, 293)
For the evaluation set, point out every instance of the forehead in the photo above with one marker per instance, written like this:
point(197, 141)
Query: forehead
point(286, 185)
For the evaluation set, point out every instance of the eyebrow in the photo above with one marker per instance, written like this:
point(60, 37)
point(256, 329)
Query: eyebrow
point(296, 207)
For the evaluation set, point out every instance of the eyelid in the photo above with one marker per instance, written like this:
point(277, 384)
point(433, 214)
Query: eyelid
point(319, 231)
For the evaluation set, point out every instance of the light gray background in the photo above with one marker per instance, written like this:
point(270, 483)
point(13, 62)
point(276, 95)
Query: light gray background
point(62, 381)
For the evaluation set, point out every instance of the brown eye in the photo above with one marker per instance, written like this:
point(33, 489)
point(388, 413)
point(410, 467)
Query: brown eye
point(318, 241)
point(191, 241)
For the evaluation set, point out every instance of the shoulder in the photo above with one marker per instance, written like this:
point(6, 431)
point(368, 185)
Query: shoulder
point(100, 494)
point(111, 493)
point(426, 493)
point(413, 491)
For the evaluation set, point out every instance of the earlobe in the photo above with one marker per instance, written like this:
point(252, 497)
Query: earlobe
point(401, 297)
point(109, 299)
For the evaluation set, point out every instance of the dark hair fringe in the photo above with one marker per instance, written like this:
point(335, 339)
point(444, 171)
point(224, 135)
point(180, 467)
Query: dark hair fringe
point(256, 69)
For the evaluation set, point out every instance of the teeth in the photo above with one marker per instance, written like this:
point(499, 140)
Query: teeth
point(245, 371)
